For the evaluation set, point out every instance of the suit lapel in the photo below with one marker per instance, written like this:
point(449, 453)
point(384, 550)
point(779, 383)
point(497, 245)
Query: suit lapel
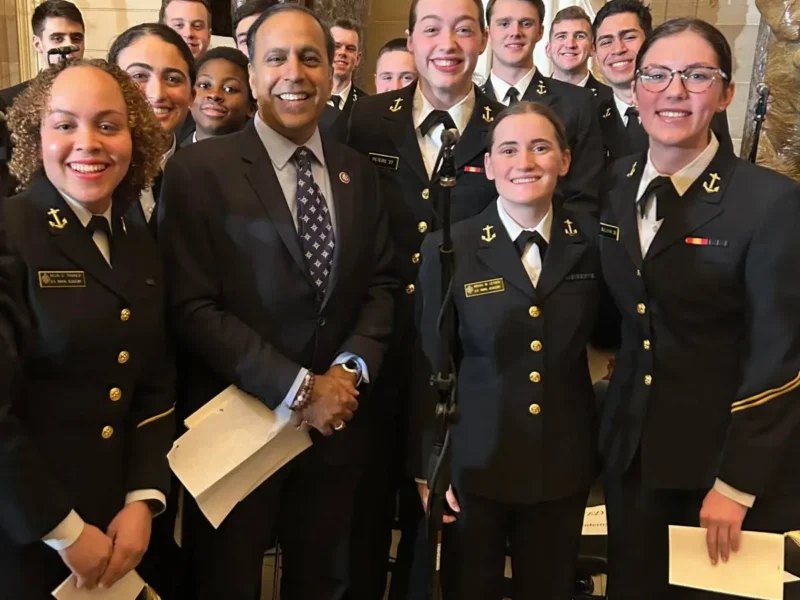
point(497, 252)
point(567, 245)
point(72, 239)
point(473, 138)
point(400, 125)
point(261, 175)
point(615, 136)
point(538, 90)
point(700, 203)
point(623, 202)
point(488, 90)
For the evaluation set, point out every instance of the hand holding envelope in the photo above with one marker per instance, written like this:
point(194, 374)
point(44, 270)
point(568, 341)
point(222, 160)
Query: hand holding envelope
point(127, 588)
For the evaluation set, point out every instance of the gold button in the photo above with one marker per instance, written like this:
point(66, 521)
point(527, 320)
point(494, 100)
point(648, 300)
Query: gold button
point(123, 357)
point(646, 344)
point(534, 409)
point(536, 346)
point(410, 289)
point(641, 308)
point(115, 394)
point(535, 376)
point(426, 194)
point(648, 379)
point(415, 258)
point(422, 226)
point(108, 431)
point(125, 314)
point(534, 312)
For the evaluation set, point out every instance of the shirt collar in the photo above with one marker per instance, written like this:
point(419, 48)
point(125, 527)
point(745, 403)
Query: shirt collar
point(84, 214)
point(280, 149)
point(621, 105)
point(346, 92)
point(514, 229)
point(501, 87)
point(585, 80)
point(461, 112)
point(683, 179)
point(168, 154)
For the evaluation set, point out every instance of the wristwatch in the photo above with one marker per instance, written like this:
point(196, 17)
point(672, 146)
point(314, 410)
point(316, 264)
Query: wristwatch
point(354, 367)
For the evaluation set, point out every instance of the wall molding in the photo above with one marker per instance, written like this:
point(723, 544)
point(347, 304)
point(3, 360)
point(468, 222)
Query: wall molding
point(28, 65)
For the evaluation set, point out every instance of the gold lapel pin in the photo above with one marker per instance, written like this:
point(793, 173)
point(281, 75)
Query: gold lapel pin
point(487, 114)
point(57, 221)
point(489, 235)
point(397, 105)
point(540, 89)
point(711, 186)
point(344, 177)
point(570, 230)
point(633, 169)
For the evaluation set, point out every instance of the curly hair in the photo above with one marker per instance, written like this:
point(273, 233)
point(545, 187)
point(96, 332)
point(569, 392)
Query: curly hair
point(149, 141)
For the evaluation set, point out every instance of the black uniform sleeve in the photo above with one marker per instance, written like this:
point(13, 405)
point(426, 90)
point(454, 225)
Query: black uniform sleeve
point(588, 159)
point(767, 413)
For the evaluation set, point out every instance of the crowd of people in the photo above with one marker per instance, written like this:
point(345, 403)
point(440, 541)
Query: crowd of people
point(176, 219)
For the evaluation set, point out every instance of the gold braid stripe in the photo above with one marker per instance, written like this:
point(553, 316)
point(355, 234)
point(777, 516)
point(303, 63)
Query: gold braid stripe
point(794, 536)
point(157, 417)
point(766, 396)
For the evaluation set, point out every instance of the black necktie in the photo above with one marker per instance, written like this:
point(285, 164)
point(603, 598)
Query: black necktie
point(513, 96)
point(337, 101)
point(433, 119)
point(666, 196)
point(531, 236)
point(636, 133)
point(97, 223)
point(313, 222)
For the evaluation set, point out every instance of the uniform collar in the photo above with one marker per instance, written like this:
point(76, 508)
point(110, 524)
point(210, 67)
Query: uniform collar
point(514, 229)
point(280, 149)
point(461, 112)
point(585, 80)
point(501, 87)
point(683, 179)
point(621, 105)
point(345, 92)
point(84, 214)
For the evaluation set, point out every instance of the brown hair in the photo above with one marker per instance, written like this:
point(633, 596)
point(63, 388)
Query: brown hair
point(528, 108)
point(571, 13)
point(537, 4)
point(148, 139)
point(349, 25)
point(412, 15)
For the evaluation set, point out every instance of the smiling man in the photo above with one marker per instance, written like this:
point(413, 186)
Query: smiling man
point(192, 20)
point(277, 248)
point(515, 27)
point(620, 28)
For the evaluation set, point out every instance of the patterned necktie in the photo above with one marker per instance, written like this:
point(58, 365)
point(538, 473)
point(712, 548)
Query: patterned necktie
point(513, 96)
point(666, 196)
point(313, 222)
point(640, 142)
point(531, 236)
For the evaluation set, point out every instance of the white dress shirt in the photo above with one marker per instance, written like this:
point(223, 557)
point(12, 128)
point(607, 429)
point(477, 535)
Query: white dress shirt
point(583, 82)
point(648, 228)
point(622, 106)
point(281, 151)
point(146, 198)
point(430, 144)
point(69, 530)
point(501, 87)
point(531, 259)
point(344, 95)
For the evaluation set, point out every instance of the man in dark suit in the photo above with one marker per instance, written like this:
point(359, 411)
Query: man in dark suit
point(401, 132)
point(347, 38)
point(570, 47)
point(515, 26)
point(279, 255)
point(620, 28)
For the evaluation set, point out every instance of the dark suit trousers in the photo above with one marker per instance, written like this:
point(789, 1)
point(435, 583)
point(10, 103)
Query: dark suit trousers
point(638, 537)
point(544, 543)
point(308, 504)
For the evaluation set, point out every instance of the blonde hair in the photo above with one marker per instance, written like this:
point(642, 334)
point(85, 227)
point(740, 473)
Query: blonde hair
point(149, 141)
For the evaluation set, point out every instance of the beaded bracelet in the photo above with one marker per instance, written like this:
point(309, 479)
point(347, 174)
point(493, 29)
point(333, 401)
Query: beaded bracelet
point(303, 398)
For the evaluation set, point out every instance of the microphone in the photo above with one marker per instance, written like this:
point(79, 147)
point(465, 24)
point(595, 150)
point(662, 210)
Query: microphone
point(61, 52)
point(762, 89)
point(450, 138)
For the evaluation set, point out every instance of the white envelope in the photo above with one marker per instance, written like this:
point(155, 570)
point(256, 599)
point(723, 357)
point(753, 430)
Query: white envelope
point(755, 571)
point(594, 520)
point(127, 588)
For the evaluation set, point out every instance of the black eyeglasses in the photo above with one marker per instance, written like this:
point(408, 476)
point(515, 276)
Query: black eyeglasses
point(696, 80)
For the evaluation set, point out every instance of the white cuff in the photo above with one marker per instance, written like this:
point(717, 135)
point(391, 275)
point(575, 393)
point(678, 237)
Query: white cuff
point(742, 498)
point(420, 480)
point(66, 533)
point(149, 496)
point(298, 381)
point(345, 356)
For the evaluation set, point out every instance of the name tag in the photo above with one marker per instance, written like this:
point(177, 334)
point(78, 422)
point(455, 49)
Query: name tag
point(579, 276)
point(481, 288)
point(62, 279)
point(384, 160)
point(609, 231)
point(695, 241)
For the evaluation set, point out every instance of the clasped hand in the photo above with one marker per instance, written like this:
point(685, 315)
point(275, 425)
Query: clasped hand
point(333, 401)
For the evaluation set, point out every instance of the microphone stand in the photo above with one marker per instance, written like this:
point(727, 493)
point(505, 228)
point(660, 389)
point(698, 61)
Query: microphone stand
point(759, 115)
point(445, 382)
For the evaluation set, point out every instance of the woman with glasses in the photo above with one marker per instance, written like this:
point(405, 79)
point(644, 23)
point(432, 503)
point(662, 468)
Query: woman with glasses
point(701, 424)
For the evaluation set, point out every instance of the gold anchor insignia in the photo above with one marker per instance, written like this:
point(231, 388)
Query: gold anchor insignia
point(489, 235)
point(57, 221)
point(607, 113)
point(540, 89)
point(570, 230)
point(711, 186)
point(487, 114)
point(633, 169)
point(397, 103)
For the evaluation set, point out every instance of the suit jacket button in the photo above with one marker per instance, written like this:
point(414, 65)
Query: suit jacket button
point(125, 314)
point(410, 288)
point(534, 409)
point(322, 322)
point(107, 432)
point(535, 376)
point(422, 227)
point(648, 379)
point(123, 357)
point(426, 194)
point(115, 394)
point(415, 258)
point(641, 308)
point(534, 312)
point(536, 346)
point(646, 344)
